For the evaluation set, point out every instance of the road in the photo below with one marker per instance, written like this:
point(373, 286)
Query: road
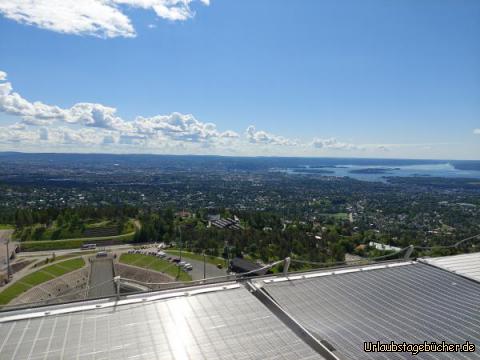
point(101, 278)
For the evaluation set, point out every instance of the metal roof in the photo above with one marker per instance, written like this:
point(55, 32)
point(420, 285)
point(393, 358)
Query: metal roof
point(467, 265)
point(295, 317)
point(206, 323)
point(411, 302)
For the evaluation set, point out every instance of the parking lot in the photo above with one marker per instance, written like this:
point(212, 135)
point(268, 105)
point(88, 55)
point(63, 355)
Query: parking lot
point(197, 270)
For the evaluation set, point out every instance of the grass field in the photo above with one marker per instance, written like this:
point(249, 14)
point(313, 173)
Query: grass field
point(6, 227)
point(156, 264)
point(38, 277)
point(199, 257)
point(98, 224)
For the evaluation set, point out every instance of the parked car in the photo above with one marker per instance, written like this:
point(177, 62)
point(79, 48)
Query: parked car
point(187, 267)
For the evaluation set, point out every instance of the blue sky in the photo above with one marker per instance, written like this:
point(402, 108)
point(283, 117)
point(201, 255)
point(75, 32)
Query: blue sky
point(373, 78)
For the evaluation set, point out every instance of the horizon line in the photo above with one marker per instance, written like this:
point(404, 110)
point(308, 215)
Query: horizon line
point(231, 156)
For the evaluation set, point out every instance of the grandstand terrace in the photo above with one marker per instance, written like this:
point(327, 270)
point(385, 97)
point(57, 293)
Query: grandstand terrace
point(64, 288)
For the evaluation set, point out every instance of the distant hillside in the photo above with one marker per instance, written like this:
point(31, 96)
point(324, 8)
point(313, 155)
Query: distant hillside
point(466, 165)
point(182, 162)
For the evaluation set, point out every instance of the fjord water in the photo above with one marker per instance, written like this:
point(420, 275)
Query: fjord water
point(375, 172)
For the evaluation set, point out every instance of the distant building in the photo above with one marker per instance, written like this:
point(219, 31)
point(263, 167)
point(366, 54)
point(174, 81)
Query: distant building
point(383, 247)
point(227, 223)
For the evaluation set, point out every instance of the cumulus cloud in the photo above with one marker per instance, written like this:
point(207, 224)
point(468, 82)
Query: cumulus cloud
point(181, 127)
point(96, 115)
point(12, 135)
point(265, 138)
point(102, 18)
point(156, 129)
point(17, 126)
point(38, 113)
point(476, 131)
point(333, 144)
point(96, 126)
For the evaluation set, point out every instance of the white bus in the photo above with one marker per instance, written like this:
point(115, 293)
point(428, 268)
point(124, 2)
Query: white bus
point(89, 246)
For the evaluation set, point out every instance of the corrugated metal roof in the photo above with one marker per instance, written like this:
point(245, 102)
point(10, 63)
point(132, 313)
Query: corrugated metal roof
point(411, 302)
point(341, 308)
point(223, 324)
point(467, 265)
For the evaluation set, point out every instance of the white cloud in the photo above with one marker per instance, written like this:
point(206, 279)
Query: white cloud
point(180, 127)
point(158, 129)
point(131, 140)
point(102, 18)
point(92, 126)
point(166, 9)
point(87, 17)
point(96, 115)
point(8, 135)
point(17, 126)
point(265, 138)
point(38, 113)
point(12, 103)
point(476, 131)
point(334, 144)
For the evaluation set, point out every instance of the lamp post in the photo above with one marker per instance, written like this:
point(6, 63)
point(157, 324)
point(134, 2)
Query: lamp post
point(204, 266)
point(8, 262)
point(180, 240)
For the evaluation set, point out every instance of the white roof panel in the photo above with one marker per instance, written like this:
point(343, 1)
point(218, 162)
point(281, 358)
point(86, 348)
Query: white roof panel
point(467, 265)
point(412, 302)
point(225, 324)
